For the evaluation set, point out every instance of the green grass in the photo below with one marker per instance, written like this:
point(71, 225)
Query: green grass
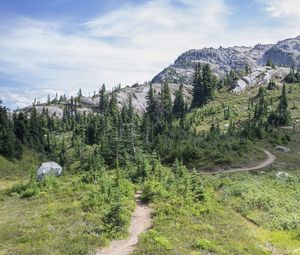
point(243, 213)
point(212, 227)
point(66, 215)
point(13, 171)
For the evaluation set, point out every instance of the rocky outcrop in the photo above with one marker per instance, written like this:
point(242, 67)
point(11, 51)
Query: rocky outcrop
point(282, 148)
point(48, 168)
point(137, 93)
point(285, 53)
point(260, 75)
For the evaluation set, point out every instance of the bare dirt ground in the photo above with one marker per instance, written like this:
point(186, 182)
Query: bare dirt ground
point(268, 161)
point(141, 221)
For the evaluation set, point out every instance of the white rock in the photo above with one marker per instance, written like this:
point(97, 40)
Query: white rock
point(282, 148)
point(48, 168)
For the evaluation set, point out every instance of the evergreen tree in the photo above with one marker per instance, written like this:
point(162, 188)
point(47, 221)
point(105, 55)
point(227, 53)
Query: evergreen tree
point(283, 107)
point(166, 102)
point(197, 87)
point(62, 154)
point(261, 107)
point(178, 107)
point(270, 63)
point(79, 94)
point(10, 146)
point(21, 127)
point(48, 99)
point(271, 85)
point(282, 115)
point(209, 83)
point(151, 104)
point(103, 103)
point(204, 85)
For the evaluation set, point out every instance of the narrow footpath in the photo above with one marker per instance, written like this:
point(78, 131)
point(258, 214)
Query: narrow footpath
point(140, 222)
point(268, 161)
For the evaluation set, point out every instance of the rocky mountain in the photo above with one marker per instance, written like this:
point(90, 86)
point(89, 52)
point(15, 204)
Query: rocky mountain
point(285, 53)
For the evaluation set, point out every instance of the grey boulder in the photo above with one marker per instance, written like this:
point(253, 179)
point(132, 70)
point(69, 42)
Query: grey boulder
point(282, 148)
point(48, 168)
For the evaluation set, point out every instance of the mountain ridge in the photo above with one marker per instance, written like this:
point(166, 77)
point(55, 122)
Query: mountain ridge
point(285, 53)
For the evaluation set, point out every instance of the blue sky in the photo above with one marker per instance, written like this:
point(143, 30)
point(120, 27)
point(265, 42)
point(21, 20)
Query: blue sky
point(63, 45)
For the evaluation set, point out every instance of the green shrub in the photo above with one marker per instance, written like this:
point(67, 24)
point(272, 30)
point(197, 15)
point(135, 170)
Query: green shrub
point(152, 189)
point(206, 245)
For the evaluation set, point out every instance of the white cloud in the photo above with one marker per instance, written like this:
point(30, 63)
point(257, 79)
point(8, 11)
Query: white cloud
point(129, 44)
point(283, 8)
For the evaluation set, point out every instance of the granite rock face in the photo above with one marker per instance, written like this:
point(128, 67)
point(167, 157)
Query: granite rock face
point(48, 168)
point(285, 53)
point(259, 76)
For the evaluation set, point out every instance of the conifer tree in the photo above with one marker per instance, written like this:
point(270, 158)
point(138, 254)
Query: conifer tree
point(151, 104)
point(204, 85)
point(197, 83)
point(178, 107)
point(166, 102)
point(283, 108)
point(103, 103)
point(79, 94)
point(10, 146)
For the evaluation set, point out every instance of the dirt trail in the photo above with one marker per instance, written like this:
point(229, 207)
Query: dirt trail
point(268, 161)
point(140, 222)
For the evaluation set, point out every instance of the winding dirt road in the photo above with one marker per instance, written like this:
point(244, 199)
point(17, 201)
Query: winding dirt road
point(268, 161)
point(140, 222)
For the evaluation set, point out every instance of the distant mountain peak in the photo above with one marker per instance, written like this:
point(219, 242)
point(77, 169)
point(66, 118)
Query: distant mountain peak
point(285, 53)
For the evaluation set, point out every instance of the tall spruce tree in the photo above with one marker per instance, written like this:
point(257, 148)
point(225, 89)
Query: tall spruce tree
point(197, 86)
point(204, 85)
point(103, 103)
point(283, 108)
point(178, 107)
point(151, 104)
point(10, 146)
point(166, 102)
point(209, 83)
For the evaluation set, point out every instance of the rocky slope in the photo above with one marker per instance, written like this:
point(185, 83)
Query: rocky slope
point(285, 53)
point(260, 76)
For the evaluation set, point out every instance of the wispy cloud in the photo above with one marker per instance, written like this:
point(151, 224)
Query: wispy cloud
point(283, 8)
point(126, 45)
